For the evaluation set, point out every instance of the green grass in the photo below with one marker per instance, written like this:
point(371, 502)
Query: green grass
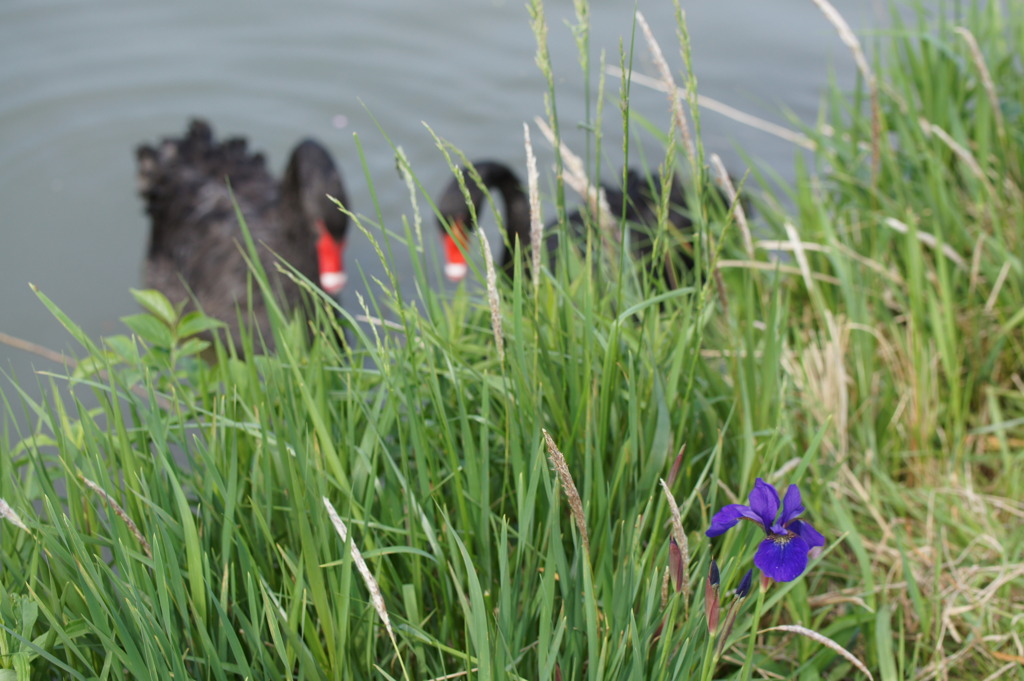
point(876, 365)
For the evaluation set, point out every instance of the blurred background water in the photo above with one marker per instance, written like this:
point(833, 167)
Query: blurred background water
point(82, 83)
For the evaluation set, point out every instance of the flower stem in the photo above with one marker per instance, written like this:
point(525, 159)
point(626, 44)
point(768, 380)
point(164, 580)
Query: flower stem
point(755, 622)
point(710, 657)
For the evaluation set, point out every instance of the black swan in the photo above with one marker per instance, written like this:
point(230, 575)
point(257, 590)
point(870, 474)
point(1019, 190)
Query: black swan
point(196, 247)
point(639, 200)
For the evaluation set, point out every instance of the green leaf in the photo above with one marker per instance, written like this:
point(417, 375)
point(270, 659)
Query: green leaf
point(149, 329)
point(94, 364)
point(123, 346)
point(883, 645)
point(156, 304)
point(33, 442)
point(193, 346)
point(196, 322)
point(29, 614)
point(74, 329)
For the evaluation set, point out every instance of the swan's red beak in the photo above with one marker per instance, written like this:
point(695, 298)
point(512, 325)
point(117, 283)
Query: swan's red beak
point(455, 267)
point(329, 252)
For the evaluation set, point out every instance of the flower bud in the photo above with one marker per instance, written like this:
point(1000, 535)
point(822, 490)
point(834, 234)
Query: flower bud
point(675, 564)
point(712, 607)
point(744, 588)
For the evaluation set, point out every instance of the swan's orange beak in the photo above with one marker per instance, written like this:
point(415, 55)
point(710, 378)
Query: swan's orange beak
point(329, 252)
point(455, 267)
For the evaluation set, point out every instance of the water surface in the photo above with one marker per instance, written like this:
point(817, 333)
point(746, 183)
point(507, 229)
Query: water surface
point(84, 82)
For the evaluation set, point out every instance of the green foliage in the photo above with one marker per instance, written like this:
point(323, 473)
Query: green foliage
point(179, 530)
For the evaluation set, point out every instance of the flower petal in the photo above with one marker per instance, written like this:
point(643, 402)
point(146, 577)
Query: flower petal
point(810, 535)
point(782, 558)
point(729, 516)
point(792, 506)
point(764, 501)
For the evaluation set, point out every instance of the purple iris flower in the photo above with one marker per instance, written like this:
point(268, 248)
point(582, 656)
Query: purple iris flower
point(783, 553)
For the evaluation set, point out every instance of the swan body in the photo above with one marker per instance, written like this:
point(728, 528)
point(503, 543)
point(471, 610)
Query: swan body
point(190, 186)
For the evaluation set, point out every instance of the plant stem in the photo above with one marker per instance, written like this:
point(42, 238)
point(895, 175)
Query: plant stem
point(755, 622)
point(710, 657)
